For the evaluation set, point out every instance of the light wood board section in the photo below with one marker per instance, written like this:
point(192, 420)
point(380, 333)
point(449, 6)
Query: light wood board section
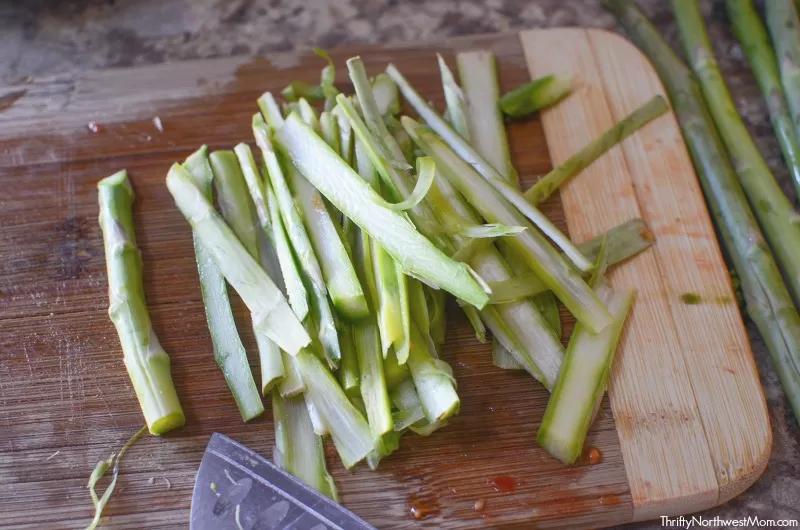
point(693, 432)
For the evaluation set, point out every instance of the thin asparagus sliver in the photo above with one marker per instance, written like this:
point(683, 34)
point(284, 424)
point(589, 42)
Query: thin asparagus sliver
point(538, 94)
point(147, 363)
point(579, 161)
point(750, 31)
point(433, 379)
point(454, 99)
point(357, 200)
point(229, 353)
point(784, 26)
point(271, 312)
point(487, 171)
point(387, 99)
point(768, 300)
point(545, 261)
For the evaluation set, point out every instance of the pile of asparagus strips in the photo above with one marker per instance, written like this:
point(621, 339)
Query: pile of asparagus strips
point(344, 231)
point(742, 194)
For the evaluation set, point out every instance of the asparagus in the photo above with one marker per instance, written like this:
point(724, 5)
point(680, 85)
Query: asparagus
point(387, 98)
point(147, 363)
point(327, 79)
point(778, 219)
point(536, 95)
point(454, 99)
point(309, 115)
point(346, 144)
point(582, 381)
point(348, 374)
point(358, 201)
point(433, 379)
point(271, 313)
point(330, 131)
point(298, 449)
point(229, 353)
point(270, 110)
point(495, 180)
point(348, 428)
point(541, 257)
point(394, 373)
point(623, 242)
point(749, 29)
point(302, 89)
point(784, 25)
point(548, 307)
point(409, 407)
point(292, 383)
point(579, 161)
point(768, 300)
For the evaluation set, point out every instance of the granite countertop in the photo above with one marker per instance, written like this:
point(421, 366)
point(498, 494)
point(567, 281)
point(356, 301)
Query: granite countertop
point(40, 37)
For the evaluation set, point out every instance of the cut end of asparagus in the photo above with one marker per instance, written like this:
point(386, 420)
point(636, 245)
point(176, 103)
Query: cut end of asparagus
point(538, 94)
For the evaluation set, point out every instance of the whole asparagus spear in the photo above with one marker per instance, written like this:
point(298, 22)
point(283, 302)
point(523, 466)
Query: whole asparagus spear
point(784, 25)
point(146, 361)
point(750, 31)
point(768, 300)
point(779, 220)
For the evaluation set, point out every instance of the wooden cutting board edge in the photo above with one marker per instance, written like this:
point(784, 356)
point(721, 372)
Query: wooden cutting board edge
point(709, 393)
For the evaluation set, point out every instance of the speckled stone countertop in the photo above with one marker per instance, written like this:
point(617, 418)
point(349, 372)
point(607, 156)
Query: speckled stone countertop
point(39, 37)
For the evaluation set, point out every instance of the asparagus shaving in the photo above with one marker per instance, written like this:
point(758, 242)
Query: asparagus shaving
point(548, 307)
point(233, 198)
point(298, 449)
point(541, 257)
point(582, 381)
point(229, 353)
point(301, 89)
point(579, 161)
point(147, 363)
point(330, 131)
point(327, 79)
point(768, 300)
point(784, 25)
point(348, 428)
point(536, 95)
point(319, 427)
point(348, 374)
point(472, 247)
point(433, 380)
point(271, 313)
point(270, 110)
point(623, 242)
point(454, 99)
point(100, 470)
point(426, 171)
point(309, 115)
point(775, 213)
point(409, 407)
point(346, 144)
point(357, 200)
point(749, 30)
point(292, 383)
point(390, 318)
point(386, 96)
point(486, 170)
point(393, 372)
point(503, 358)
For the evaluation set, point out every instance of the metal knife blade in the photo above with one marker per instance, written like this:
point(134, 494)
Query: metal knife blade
point(239, 489)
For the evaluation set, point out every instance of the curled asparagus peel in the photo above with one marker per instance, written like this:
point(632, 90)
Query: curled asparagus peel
point(779, 220)
point(768, 300)
point(147, 363)
point(271, 312)
point(749, 29)
point(549, 183)
point(229, 353)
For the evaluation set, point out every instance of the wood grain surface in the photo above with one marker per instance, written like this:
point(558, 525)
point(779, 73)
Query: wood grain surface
point(66, 401)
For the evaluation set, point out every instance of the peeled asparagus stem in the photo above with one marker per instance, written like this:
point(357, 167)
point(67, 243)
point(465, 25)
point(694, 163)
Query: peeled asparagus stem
point(146, 361)
point(271, 312)
point(229, 353)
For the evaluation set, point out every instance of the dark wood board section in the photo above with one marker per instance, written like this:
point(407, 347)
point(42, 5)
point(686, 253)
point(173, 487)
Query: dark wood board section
point(65, 398)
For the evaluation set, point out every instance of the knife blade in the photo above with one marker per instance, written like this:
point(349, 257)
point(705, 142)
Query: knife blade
point(239, 489)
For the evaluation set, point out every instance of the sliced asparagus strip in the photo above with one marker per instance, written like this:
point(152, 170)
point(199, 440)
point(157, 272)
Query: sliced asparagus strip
point(271, 313)
point(426, 171)
point(330, 131)
point(504, 359)
point(270, 110)
point(624, 241)
point(536, 95)
point(348, 428)
point(327, 80)
point(393, 372)
point(348, 374)
point(582, 381)
point(401, 137)
point(579, 161)
point(784, 25)
point(433, 379)
point(478, 72)
point(387, 98)
point(309, 115)
point(779, 220)
point(390, 318)
point(565, 282)
point(768, 300)
point(357, 200)
point(298, 450)
point(229, 353)
point(146, 361)
point(749, 30)
point(486, 170)
point(438, 311)
point(319, 427)
point(548, 307)
point(292, 383)
point(409, 407)
point(301, 89)
point(454, 99)
point(233, 199)
point(346, 144)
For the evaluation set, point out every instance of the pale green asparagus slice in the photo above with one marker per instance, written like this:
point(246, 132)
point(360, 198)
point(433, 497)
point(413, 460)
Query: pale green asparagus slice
point(330, 131)
point(454, 99)
point(298, 449)
point(271, 312)
point(386, 96)
point(433, 379)
point(229, 353)
point(234, 203)
point(309, 115)
point(358, 201)
point(536, 95)
point(147, 363)
point(348, 373)
point(270, 110)
point(545, 261)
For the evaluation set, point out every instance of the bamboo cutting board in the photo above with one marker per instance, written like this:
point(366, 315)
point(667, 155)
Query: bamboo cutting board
point(685, 427)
